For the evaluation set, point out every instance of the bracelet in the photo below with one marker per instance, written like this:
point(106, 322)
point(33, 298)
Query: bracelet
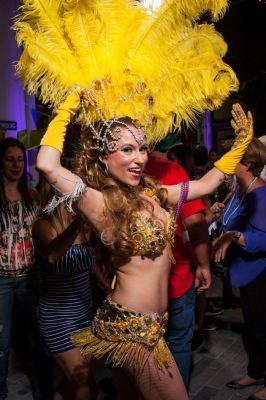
point(76, 194)
point(182, 198)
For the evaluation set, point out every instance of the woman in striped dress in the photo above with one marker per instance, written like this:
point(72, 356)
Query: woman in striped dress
point(65, 304)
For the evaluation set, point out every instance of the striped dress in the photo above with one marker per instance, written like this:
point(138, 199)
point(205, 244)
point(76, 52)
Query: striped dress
point(65, 303)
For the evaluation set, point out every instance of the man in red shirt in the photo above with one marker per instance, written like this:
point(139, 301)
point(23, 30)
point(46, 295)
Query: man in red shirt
point(191, 230)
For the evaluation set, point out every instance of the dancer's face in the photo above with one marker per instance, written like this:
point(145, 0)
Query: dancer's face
point(13, 164)
point(128, 162)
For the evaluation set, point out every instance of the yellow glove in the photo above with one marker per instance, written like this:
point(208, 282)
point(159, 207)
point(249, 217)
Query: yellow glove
point(243, 127)
point(56, 131)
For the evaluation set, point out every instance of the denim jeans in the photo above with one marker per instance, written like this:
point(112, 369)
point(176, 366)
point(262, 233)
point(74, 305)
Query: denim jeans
point(20, 290)
point(11, 289)
point(180, 329)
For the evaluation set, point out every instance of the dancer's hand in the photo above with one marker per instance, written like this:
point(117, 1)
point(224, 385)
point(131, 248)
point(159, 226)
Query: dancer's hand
point(241, 123)
point(55, 134)
point(244, 129)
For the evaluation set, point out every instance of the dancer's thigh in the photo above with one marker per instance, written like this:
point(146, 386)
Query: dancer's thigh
point(157, 384)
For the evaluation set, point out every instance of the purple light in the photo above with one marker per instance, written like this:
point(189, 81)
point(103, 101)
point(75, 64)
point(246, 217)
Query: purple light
point(207, 130)
point(12, 96)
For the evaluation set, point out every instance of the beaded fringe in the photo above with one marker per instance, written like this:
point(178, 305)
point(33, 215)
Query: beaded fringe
point(68, 198)
point(118, 353)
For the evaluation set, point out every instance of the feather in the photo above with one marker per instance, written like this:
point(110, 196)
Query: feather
point(39, 29)
point(82, 28)
point(162, 69)
point(173, 13)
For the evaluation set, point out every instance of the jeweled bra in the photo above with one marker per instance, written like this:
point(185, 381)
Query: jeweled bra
point(150, 236)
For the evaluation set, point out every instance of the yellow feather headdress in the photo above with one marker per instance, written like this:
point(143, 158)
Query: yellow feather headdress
point(161, 69)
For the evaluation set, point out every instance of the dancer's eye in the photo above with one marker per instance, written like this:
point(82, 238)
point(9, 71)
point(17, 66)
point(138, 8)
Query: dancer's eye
point(126, 149)
point(144, 149)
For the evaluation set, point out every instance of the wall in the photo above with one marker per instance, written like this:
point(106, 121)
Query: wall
point(14, 104)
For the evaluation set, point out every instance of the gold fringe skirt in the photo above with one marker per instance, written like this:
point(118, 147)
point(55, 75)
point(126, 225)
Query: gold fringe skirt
point(122, 335)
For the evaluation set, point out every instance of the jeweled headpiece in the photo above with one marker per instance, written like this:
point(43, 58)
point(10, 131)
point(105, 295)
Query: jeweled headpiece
point(159, 68)
point(106, 132)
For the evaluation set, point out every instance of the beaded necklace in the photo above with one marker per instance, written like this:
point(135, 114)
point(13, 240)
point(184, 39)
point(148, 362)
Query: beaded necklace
point(226, 217)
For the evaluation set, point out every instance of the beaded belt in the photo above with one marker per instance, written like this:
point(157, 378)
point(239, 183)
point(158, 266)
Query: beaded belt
point(118, 324)
point(122, 335)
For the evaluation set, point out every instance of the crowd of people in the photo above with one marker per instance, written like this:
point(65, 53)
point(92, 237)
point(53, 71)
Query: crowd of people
point(47, 262)
point(111, 255)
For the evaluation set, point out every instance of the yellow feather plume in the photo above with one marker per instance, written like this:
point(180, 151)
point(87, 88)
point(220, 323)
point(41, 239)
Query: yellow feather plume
point(161, 69)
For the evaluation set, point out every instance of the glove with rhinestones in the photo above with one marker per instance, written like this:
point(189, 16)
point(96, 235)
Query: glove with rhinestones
point(243, 127)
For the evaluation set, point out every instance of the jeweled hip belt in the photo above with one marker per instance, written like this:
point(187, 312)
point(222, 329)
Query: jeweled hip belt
point(119, 324)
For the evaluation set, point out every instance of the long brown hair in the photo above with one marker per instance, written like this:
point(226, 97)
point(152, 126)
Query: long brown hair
point(121, 200)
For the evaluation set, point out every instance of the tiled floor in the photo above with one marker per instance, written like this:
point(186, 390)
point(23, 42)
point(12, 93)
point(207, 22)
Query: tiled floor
point(18, 381)
point(221, 358)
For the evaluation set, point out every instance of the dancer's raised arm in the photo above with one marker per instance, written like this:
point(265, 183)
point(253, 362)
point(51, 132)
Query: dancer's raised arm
point(49, 157)
point(68, 185)
point(226, 165)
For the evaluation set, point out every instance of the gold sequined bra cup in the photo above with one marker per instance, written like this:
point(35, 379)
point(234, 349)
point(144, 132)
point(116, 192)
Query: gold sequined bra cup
point(150, 236)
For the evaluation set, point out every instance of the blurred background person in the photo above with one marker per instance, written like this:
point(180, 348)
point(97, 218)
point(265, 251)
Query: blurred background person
point(212, 156)
point(262, 139)
point(182, 154)
point(201, 161)
point(66, 258)
point(185, 156)
point(18, 206)
point(244, 244)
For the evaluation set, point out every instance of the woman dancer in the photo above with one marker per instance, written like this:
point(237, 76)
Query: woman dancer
point(166, 69)
point(129, 213)
point(65, 303)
